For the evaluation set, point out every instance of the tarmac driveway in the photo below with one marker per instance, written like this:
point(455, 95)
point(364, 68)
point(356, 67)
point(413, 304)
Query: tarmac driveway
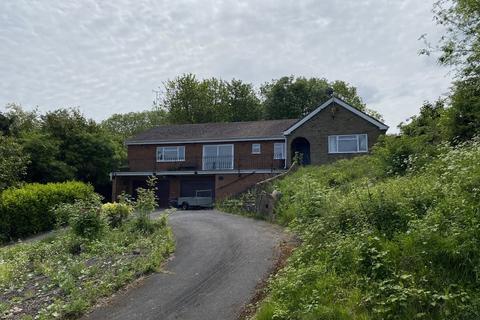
point(218, 262)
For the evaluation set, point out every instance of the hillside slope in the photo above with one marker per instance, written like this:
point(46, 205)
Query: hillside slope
point(380, 247)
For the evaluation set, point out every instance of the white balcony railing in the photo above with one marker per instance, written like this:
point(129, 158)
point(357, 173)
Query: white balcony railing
point(218, 163)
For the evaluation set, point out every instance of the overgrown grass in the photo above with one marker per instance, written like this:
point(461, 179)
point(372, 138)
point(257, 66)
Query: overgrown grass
point(379, 247)
point(62, 277)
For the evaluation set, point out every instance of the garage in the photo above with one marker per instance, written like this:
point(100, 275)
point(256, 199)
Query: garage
point(163, 190)
point(188, 185)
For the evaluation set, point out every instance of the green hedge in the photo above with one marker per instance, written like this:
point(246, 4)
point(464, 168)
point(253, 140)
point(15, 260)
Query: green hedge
point(27, 210)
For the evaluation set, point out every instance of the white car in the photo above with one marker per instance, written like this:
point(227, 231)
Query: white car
point(202, 199)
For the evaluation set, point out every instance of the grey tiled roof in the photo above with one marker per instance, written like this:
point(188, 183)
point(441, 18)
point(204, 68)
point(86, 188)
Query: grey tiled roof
point(215, 131)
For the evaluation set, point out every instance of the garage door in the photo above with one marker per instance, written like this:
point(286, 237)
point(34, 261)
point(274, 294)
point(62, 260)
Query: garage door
point(188, 186)
point(163, 191)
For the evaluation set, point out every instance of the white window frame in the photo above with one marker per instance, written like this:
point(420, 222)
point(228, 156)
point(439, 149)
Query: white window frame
point(256, 148)
point(218, 145)
point(275, 154)
point(338, 137)
point(178, 148)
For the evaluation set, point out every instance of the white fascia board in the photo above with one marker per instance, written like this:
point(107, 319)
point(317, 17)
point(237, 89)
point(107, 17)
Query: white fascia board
point(140, 142)
point(187, 173)
point(359, 113)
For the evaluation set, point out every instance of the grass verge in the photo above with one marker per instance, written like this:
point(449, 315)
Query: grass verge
point(63, 277)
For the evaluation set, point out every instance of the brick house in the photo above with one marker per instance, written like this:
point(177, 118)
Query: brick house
point(228, 158)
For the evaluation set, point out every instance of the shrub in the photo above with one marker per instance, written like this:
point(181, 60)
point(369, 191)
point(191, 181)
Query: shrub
point(28, 210)
point(87, 221)
point(116, 213)
point(146, 204)
point(62, 213)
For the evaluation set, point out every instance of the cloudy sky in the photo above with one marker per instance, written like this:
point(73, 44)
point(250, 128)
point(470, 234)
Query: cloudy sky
point(107, 56)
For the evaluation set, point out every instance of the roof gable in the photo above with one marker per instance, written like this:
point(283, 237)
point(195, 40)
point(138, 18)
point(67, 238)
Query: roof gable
point(341, 103)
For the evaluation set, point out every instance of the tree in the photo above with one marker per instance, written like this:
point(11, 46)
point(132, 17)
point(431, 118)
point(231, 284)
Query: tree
point(290, 97)
point(44, 153)
point(189, 100)
point(427, 123)
point(124, 126)
point(462, 118)
point(460, 46)
point(20, 120)
point(93, 156)
point(242, 103)
point(13, 162)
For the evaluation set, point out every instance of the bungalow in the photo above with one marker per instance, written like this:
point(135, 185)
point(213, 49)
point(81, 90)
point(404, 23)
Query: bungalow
point(228, 158)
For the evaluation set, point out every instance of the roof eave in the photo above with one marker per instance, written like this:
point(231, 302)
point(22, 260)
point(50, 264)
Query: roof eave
point(190, 141)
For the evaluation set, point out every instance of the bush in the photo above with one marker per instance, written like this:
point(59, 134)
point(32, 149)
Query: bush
point(87, 221)
point(28, 210)
point(116, 213)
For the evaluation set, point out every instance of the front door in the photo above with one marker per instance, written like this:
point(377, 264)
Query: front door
point(302, 147)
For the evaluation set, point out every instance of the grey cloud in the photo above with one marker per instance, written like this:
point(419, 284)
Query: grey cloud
point(107, 56)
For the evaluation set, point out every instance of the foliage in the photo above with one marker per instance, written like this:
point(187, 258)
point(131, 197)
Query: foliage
point(399, 154)
point(380, 247)
point(64, 145)
point(49, 280)
point(462, 119)
point(87, 221)
point(243, 204)
point(291, 98)
point(116, 213)
point(189, 100)
point(460, 46)
point(126, 125)
point(145, 204)
point(27, 210)
point(44, 152)
point(13, 162)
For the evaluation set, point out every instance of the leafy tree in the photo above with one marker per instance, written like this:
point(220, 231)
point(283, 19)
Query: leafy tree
point(189, 100)
point(93, 157)
point(45, 165)
point(124, 126)
point(20, 120)
point(460, 46)
point(242, 103)
point(427, 123)
point(462, 119)
point(290, 97)
point(5, 124)
point(63, 123)
point(13, 162)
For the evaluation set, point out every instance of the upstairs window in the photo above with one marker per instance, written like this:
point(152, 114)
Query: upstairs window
point(279, 151)
point(256, 148)
point(354, 143)
point(218, 157)
point(170, 154)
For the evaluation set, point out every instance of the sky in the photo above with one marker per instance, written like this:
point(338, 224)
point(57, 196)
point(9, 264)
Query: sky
point(108, 56)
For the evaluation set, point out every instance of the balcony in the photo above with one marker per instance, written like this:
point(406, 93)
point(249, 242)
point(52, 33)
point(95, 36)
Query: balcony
point(214, 163)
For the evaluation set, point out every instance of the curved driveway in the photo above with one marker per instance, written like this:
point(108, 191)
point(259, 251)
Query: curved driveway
point(218, 262)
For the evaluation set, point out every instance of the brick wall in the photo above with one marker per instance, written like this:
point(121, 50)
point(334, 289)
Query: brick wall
point(143, 157)
point(333, 120)
point(232, 184)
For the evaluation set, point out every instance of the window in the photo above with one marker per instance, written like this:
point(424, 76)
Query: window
point(256, 148)
point(170, 154)
point(279, 151)
point(354, 143)
point(218, 157)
